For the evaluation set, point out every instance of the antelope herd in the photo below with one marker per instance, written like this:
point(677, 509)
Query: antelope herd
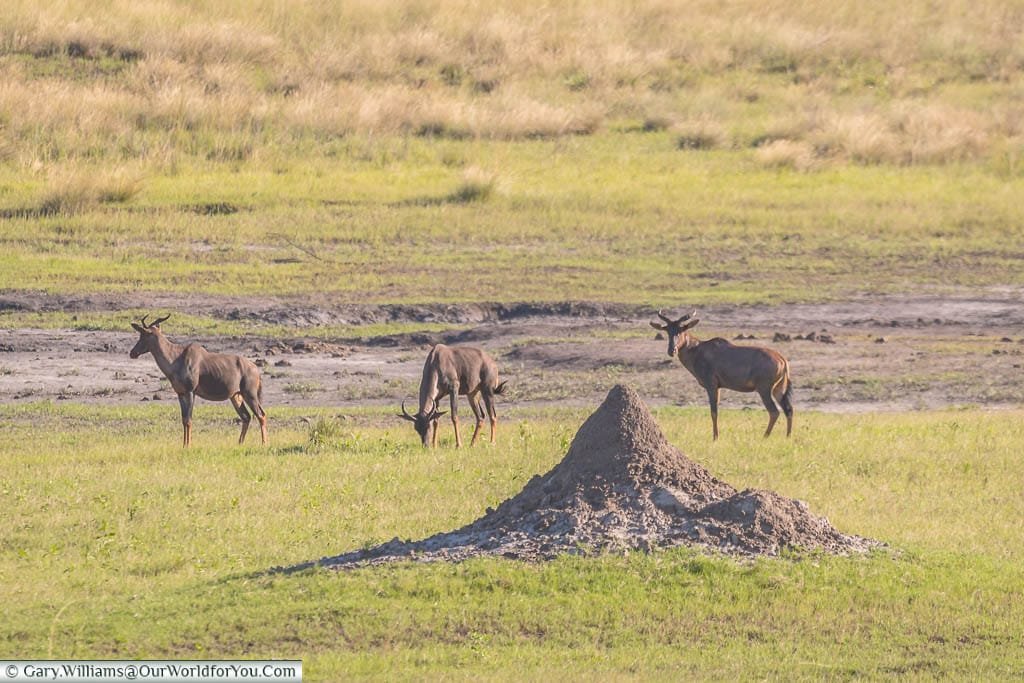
point(455, 371)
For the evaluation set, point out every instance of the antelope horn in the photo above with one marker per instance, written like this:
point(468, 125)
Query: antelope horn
point(687, 316)
point(160, 320)
point(663, 316)
point(144, 321)
point(406, 414)
point(434, 413)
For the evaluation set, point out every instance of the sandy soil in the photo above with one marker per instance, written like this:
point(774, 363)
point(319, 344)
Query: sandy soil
point(868, 354)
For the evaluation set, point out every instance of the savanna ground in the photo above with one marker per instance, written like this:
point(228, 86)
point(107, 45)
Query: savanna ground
point(330, 189)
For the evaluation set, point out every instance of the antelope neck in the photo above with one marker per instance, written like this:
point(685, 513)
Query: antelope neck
point(428, 395)
point(165, 352)
point(685, 349)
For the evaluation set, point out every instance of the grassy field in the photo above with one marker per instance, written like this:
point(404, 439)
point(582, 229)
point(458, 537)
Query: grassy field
point(915, 84)
point(208, 324)
point(716, 152)
point(420, 151)
point(566, 220)
point(120, 544)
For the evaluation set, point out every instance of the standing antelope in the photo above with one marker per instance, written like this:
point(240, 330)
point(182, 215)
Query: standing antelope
point(453, 371)
point(719, 364)
point(194, 371)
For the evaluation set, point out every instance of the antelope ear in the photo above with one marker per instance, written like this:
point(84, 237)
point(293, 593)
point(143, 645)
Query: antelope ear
point(406, 417)
point(691, 323)
point(138, 329)
point(438, 414)
point(659, 327)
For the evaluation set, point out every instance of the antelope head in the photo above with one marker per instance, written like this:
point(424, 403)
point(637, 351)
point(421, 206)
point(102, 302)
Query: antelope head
point(424, 422)
point(676, 330)
point(147, 332)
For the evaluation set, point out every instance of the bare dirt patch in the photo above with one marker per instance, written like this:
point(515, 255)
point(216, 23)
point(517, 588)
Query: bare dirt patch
point(868, 354)
point(622, 486)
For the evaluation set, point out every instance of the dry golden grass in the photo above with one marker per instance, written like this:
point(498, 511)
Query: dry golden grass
point(796, 155)
point(939, 134)
point(901, 133)
point(702, 133)
point(71, 191)
point(478, 185)
point(917, 82)
point(862, 138)
point(346, 109)
point(118, 186)
point(67, 195)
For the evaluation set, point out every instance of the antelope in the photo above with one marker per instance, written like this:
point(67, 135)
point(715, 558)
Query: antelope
point(456, 371)
point(718, 364)
point(194, 371)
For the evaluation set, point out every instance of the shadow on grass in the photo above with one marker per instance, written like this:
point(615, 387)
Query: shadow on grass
point(461, 196)
point(30, 212)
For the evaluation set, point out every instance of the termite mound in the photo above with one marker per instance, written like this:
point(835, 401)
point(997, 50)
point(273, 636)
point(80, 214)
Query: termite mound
point(622, 486)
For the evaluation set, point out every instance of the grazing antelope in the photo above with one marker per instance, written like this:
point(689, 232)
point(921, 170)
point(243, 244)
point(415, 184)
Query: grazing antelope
point(454, 371)
point(719, 364)
point(194, 371)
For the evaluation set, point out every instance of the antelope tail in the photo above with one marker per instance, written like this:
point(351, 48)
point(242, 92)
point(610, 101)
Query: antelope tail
point(788, 393)
point(500, 389)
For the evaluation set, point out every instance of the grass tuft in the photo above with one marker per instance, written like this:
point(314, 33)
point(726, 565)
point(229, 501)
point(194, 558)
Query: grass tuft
point(304, 389)
point(478, 185)
point(325, 433)
point(67, 195)
point(700, 134)
point(654, 123)
point(792, 154)
point(118, 187)
point(74, 191)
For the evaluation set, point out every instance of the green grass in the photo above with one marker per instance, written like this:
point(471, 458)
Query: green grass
point(120, 544)
point(424, 152)
point(616, 217)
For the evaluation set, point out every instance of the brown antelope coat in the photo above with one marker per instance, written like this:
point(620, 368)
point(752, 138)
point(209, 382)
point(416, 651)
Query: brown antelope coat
point(456, 371)
point(194, 371)
point(719, 364)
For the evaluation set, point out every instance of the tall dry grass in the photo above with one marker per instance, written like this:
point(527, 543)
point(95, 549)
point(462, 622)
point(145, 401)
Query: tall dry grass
point(72, 190)
point(478, 185)
point(914, 82)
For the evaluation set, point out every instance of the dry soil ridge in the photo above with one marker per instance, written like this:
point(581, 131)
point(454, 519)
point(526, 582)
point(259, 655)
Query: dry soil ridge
point(997, 306)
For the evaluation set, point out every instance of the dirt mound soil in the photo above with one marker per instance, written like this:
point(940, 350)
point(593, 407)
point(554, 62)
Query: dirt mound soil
point(623, 486)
